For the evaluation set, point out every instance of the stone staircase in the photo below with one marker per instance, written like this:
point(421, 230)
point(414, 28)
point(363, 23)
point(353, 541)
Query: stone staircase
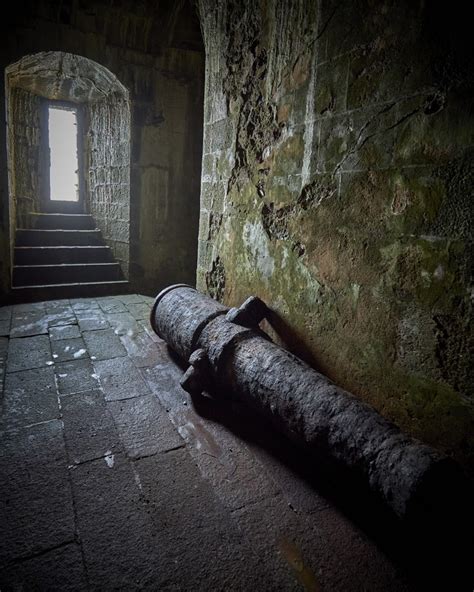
point(63, 256)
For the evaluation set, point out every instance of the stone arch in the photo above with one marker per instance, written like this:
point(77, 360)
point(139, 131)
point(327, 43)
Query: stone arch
point(105, 107)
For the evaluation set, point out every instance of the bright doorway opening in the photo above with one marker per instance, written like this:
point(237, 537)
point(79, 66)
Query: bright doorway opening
point(63, 151)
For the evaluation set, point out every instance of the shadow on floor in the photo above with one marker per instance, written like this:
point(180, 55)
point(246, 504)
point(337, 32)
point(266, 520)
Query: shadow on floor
point(434, 552)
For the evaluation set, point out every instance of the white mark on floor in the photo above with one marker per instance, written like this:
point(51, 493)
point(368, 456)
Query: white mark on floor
point(79, 353)
point(137, 480)
point(109, 459)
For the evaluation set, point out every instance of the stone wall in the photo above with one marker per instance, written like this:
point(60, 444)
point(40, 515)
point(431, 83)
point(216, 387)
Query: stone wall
point(108, 169)
point(156, 52)
point(24, 142)
point(336, 185)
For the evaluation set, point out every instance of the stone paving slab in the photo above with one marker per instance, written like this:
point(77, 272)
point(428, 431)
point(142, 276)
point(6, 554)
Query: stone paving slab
point(91, 320)
point(220, 455)
point(77, 376)
point(53, 305)
point(120, 379)
point(5, 327)
point(201, 546)
point(345, 558)
point(123, 323)
point(168, 493)
point(60, 317)
point(64, 332)
point(142, 350)
point(272, 532)
point(121, 549)
point(175, 493)
point(65, 350)
point(140, 311)
point(298, 492)
point(132, 298)
point(29, 352)
point(145, 323)
point(89, 428)
point(58, 570)
point(5, 313)
point(36, 508)
point(3, 360)
point(83, 304)
point(111, 305)
point(144, 426)
point(29, 397)
point(26, 324)
point(29, 307)
point(104, 344)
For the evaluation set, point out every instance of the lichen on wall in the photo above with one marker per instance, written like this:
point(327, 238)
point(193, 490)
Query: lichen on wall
point(337, 186)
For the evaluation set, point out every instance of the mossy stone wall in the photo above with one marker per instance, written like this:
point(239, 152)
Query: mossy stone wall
point(337, 186)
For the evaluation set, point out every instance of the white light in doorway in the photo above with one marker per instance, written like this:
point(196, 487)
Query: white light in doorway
point(64, 179)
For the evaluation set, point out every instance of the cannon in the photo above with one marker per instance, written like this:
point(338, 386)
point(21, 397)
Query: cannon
point(230, 355)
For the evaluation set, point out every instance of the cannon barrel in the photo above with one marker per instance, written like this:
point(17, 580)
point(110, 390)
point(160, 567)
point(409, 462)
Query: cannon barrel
point(227, 351)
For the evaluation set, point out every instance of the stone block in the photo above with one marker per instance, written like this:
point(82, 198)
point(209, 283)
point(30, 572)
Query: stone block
point(103, 344)
point(4, 327)
point(111, 305)
point(141, 348)
point(28, 324)
point(5, 313)
point(75, 377)
point(59, 570)
point(120, 547)
point(65, 350)
point(89, 428)
point(144, 426)
point(203, 548)
point(81, 305)
point(123, 323)
point(131, 298)
point(30, 397)
point(36, 512)
point(60, 317)
point(120, 379)
point(29, 352)
point(64, 332)
point(92, 320)
point(139, 311)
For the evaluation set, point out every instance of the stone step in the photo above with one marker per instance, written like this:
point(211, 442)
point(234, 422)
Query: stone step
point(42, 292)
point(68, 273)
point(54, 255)
point(63, 221)
point(42, 237)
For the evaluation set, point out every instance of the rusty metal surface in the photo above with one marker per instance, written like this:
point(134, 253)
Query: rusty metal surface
point(178, 317)
point(305, 405)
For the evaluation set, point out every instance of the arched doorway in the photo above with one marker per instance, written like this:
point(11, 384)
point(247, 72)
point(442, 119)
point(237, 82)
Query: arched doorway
point(85, 97)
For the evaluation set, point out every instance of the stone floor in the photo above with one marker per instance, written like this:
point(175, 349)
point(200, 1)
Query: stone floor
point(111, 478)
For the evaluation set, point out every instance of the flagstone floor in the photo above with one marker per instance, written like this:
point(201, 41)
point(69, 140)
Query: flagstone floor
point(113, 479)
